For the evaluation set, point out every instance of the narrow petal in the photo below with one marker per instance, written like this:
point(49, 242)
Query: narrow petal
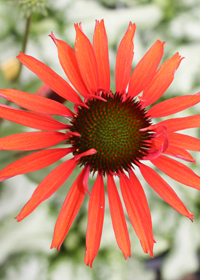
point(96, 210)
point(145, 69)
point(33, 162)
point(100, 46)
point(34, 120)
point(36, 103)
point(174, 151)
point(137, 215)
point(49, 77)
point(141, 194)
point(48, 186)
point(177, 124)
point(69, 64)
point(124, 59)
point(182, 141)
point(87, 62)
point(69, 211)
point(161, 80)
point(29, 141)
point(164, 190)
point(177, 171)
point(118, 218)
point(173, 105)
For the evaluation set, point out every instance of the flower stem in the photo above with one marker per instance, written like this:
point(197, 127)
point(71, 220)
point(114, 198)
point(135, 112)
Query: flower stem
point(24, 44)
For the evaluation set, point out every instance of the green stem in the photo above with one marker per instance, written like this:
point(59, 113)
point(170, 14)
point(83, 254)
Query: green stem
point(24, 44)
point(28, 21)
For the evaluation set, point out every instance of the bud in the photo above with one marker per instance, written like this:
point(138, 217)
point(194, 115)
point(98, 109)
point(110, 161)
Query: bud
point(28, 7)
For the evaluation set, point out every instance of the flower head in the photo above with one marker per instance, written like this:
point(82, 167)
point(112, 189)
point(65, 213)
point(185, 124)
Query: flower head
point(109, 134)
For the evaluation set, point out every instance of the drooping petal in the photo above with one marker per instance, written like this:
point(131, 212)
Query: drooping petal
point(177, 124)
point(49, 77)
point(69, 211)
point(34, 120)
point(145, 69)
point(48, 186)
point(137, 215)
point(96, 210)
point(164, 190)
point(36, 103)
point(100, 46)
point(177, 171)
point(87, 62)
point(69, 64)
point(173, 105)
point(118, 218)
point(33, 162)
point(161, 80)
point(124, 59)
point(29, 141)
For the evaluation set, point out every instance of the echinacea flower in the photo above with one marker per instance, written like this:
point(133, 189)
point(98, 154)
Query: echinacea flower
point(109, 134)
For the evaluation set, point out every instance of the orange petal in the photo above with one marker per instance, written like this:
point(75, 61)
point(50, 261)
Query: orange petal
point(173, 105)
point(137, 215)
point(164, 190)
point(173, 151)
point(96, 210)
point(141, 194)
point(29, 141)
point(182, 141)
point(177, 171)
point(145, 69)
point(124, 59)
point(69, 64)
point(100, 46)
point(69, 211)
point(86, 61)
point(161, 80)
point(48, 186)
point(35, 103)
point(118, 218)
point(181, 123)
point(33, 162)
point(34, 120)
point(49, 77)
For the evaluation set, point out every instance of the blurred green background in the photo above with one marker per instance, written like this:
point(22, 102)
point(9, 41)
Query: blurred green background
point(25, 247)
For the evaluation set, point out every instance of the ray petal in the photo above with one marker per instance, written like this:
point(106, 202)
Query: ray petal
point(164, 190)
point(177, 124)
point(161, 80)
point(118, 218)
point(33, 162)
point(145, 69)
point(34, 120)
point(69, 64)
point(48, 186)
point(86, 61)
point(100, 46)
point(69, 211)
point(96, 210)
point(29, 141)
point(137, 215)
point(177, 171)
point(49, 77)
point(36, 103)
point(124, 59)
point(173, 105)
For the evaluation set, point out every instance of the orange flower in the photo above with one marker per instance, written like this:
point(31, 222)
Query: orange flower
point(108, 134)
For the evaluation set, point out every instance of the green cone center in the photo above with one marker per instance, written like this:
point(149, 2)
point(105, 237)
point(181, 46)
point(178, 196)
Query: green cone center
point(113, 129)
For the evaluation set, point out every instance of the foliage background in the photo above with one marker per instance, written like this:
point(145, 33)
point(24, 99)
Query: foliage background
point(25, 252)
